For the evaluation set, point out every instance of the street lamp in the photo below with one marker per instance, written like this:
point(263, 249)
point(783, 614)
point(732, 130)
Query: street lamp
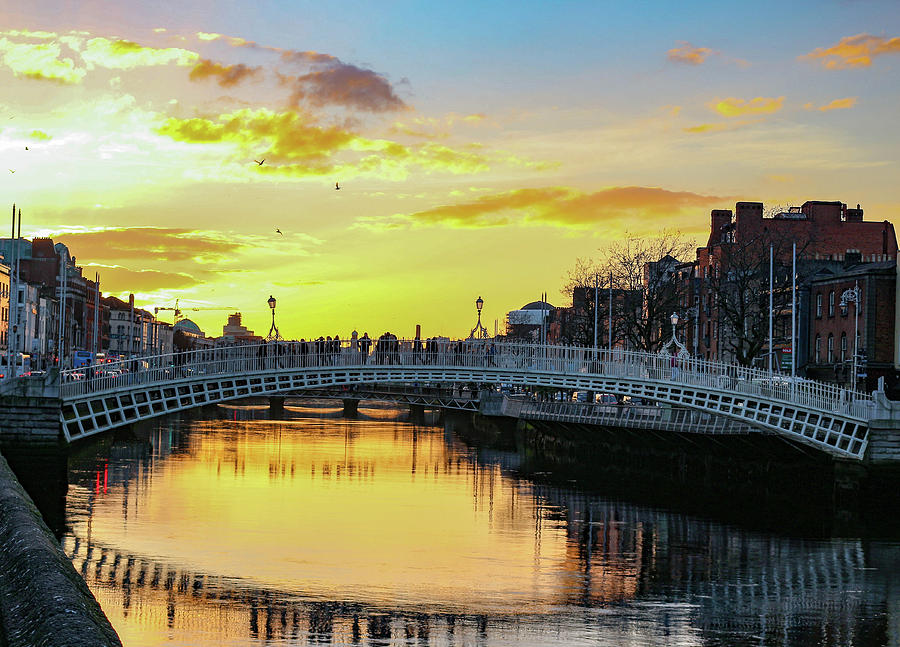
point(273, 335)
point(853, 295)
point(680, 349)
point(479, 331)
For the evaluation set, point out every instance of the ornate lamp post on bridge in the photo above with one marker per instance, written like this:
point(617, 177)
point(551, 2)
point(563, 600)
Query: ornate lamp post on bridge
point(273, 335)
point(681, 349)
point(479, 331)
point(853, 295)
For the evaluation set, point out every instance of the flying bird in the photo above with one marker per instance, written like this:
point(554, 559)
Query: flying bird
point(337, 187)
point(278, 231)
point(260, 162)
point(11, 170)
point(26, 148)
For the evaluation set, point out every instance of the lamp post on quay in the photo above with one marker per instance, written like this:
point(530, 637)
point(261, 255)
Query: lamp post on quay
point(853, 295)
point(273, 335)
point(479, 331)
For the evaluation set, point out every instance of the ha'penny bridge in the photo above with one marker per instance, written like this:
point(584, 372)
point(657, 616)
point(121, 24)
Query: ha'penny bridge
point(836, 421)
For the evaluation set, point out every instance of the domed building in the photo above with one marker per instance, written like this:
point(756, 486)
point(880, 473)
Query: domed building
point(189, 328)
point(525, 323)
point(188, 336)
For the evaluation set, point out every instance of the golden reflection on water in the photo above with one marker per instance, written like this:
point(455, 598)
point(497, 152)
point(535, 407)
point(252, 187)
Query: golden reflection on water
point(373, 514)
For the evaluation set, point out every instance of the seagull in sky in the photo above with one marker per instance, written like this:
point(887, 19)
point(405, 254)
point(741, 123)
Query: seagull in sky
point(278, 231)
point(11, 170)
point(260, 162)
point(337, 187)
point(26, 148)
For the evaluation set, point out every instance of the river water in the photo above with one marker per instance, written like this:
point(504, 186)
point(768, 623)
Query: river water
point(240, 530)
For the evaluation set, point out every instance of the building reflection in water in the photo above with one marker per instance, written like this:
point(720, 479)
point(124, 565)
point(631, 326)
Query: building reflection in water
point(317, 530)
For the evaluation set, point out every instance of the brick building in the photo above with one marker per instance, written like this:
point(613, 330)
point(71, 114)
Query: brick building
point(834, 321)
point(41, 265)
point(732, 269)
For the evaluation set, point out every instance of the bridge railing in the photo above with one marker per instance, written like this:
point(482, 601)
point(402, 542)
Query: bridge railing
point(497, 361)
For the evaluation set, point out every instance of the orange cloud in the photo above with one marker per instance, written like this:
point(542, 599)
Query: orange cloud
point(117, 278)
point(689, 54)
point(227, 75)
point(151, 244)
point(837, 104)
point(732, 107)
point(853, 51)
point(554, 206)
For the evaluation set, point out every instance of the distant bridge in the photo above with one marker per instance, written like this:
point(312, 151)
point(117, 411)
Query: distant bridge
point(824, 416)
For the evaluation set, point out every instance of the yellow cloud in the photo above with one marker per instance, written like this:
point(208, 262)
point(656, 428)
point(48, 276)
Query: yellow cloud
point(555, 206)
point(689, 54)
point(837, 104)
point(40, 135)
point(41, 61)
point(732, 107)
point(720, 127)
point(226, 75)
point(294, 145)
point(287, 137)
point(25, 33)
point(126, 55)
point(853, 51)
point(707, 128)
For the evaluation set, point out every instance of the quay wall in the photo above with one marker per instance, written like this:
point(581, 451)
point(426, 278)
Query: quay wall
point(44, 602)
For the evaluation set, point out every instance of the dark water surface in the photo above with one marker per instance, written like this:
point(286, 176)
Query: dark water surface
point(238, 530)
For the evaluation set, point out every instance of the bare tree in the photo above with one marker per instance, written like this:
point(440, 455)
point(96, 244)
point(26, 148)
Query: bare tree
point(736, 291)
point(641, 273)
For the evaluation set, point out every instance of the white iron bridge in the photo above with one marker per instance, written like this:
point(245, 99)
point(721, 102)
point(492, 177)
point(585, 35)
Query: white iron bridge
point(98, 398)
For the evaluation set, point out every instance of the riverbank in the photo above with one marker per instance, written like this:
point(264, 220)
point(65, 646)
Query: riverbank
point(43, 599)
point(758, 481)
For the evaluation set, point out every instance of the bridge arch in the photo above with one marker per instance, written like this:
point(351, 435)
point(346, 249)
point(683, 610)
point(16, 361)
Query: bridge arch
point(107, 396)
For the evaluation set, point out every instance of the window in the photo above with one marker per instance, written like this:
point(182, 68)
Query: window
point(819, 305)
point(830, 348)
point(818, 349)
point(831, 303)
point(843, 346)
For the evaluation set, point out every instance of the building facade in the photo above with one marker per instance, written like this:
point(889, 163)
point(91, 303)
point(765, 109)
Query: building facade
point(728, 286)
point(853, 325)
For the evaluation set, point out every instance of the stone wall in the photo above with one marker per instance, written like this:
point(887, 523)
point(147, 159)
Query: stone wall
point(29, 410)
point(27, 419)
point(44, 602)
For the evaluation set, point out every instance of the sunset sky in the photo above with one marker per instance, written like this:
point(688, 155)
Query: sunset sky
point(480, 147)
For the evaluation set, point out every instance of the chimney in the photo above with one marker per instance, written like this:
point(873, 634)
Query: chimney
point(854, 215)
point(718, 218)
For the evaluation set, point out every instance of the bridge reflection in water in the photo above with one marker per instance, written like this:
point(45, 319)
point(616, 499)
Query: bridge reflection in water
point(223, 532)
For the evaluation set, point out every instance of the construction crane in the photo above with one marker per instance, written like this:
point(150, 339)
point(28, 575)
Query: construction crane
point(178, 310)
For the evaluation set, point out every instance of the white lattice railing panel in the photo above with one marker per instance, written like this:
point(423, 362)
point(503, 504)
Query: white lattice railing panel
point(103, 397)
